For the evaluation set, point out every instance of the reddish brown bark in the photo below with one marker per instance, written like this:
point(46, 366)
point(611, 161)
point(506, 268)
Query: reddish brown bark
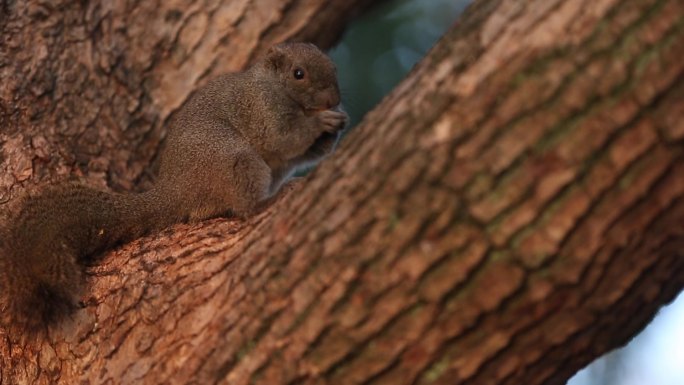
point(511, 211)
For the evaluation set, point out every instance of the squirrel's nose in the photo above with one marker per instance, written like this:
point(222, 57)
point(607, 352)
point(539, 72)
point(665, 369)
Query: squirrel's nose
point(332, 98)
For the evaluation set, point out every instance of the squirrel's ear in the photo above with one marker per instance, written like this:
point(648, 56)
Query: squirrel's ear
point(275, 58)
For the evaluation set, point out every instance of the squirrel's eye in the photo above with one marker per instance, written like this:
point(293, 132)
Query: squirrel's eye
point(299, 73)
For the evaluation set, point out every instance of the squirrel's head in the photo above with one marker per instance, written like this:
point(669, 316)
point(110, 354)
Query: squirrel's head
point(309, 76)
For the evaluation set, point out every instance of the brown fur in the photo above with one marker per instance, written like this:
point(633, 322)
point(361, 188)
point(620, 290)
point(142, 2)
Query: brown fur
point(229, 149)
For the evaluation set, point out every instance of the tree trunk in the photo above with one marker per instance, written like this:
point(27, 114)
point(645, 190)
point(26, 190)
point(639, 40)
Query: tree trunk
point(510, 212)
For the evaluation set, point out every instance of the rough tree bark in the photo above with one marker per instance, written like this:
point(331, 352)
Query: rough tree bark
point(511, 211)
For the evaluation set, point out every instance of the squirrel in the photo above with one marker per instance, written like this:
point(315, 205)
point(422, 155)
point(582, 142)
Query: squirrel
point(229, 150)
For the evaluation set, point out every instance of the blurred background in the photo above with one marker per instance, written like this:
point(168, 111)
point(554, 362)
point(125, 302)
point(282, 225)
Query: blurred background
point(377, 51)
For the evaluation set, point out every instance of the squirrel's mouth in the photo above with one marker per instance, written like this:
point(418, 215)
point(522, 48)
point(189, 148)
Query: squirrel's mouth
point(313, 110)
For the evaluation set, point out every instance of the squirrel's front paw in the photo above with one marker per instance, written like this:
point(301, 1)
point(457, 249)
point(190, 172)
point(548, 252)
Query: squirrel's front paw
point(332, 120)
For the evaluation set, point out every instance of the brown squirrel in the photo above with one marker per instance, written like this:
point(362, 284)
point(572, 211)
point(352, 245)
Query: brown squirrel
point(229, 150)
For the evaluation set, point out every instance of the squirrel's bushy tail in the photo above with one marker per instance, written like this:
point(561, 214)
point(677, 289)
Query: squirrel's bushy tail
point(45, 246)
point(31, 297)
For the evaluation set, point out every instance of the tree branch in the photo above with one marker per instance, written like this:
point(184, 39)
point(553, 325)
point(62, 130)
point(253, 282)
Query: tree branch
point(510, 212)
